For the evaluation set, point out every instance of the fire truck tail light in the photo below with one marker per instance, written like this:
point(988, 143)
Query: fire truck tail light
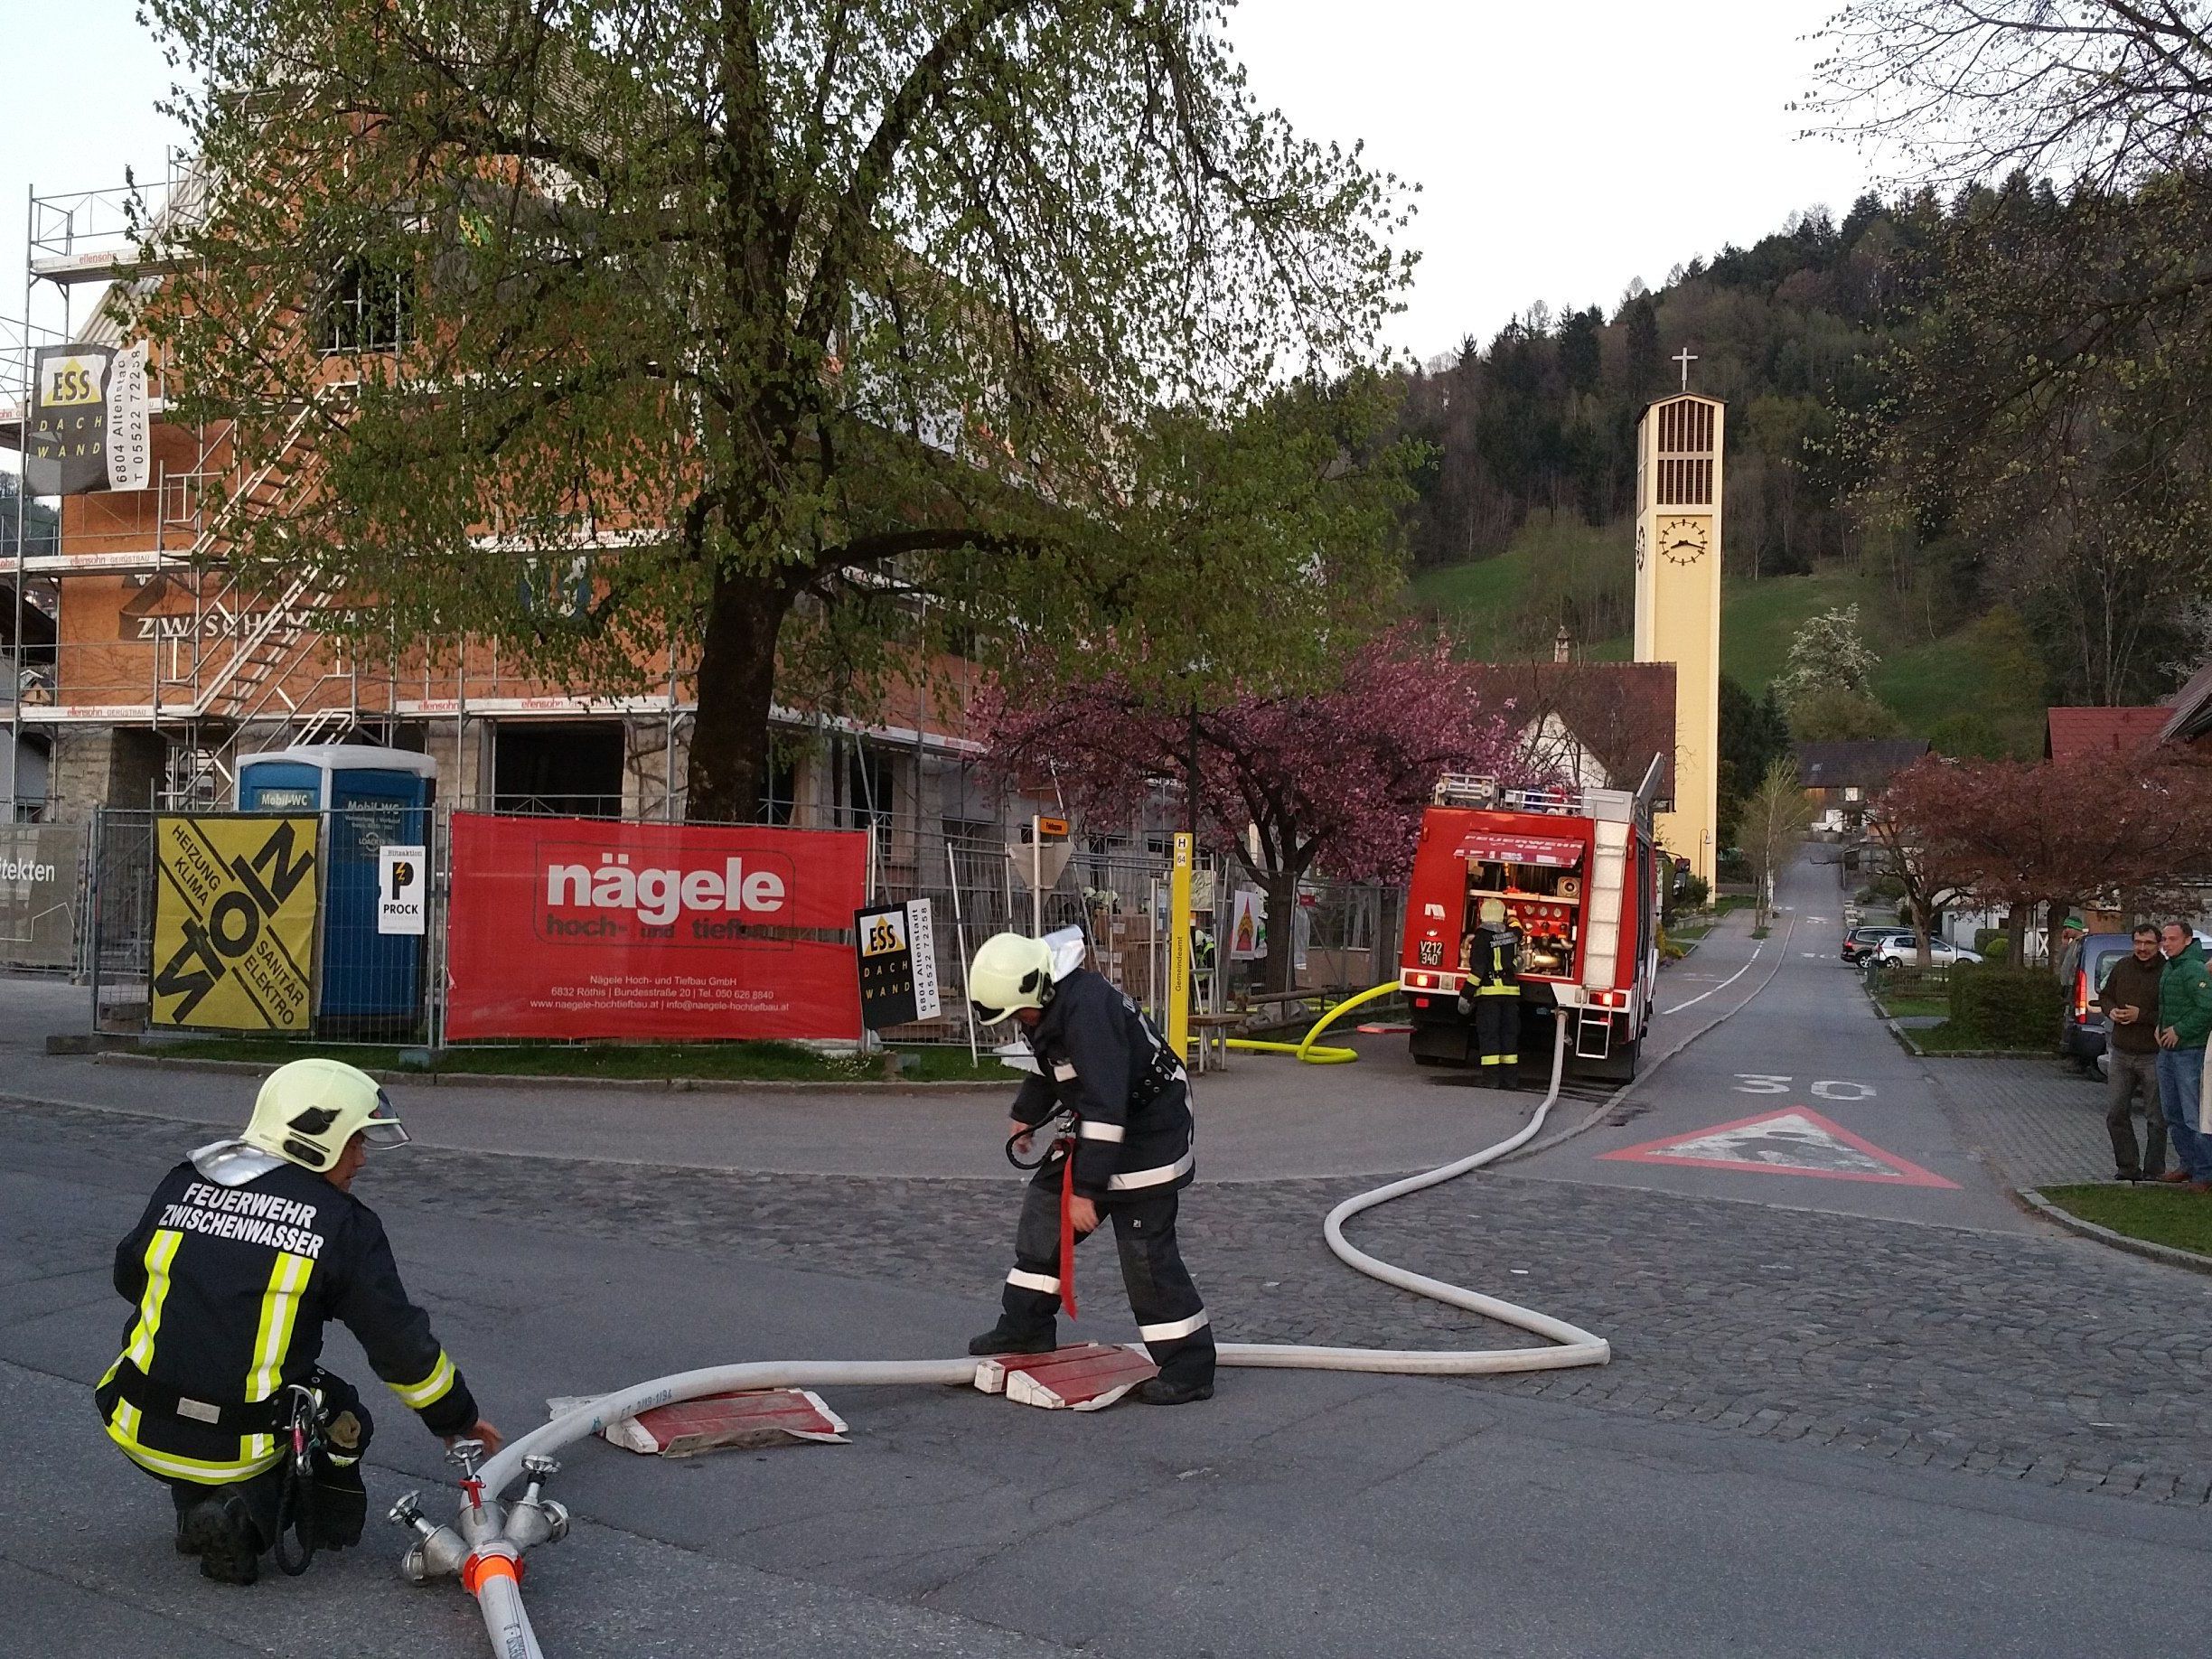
point(1420, 1002)
point(1417, 981)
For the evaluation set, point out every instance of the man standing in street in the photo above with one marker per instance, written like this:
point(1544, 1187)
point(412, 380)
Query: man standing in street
point(2185, 1021)
point(2129, 998)
point(1128, 1157)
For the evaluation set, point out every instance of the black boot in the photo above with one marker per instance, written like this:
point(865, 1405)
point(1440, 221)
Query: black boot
point(220, 1530)
point(1003, 1338)
point(1160, 1391)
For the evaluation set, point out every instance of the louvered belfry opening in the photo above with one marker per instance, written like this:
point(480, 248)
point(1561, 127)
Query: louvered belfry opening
point(1685, 453)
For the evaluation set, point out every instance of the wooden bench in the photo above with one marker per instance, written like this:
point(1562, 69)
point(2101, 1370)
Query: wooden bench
point(1210, 1032)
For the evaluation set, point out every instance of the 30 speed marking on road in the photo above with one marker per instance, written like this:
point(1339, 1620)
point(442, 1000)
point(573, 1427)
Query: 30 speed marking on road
point(1823, 1088)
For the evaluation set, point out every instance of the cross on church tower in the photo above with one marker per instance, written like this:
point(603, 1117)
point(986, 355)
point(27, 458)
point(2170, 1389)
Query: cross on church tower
point(1685, 357)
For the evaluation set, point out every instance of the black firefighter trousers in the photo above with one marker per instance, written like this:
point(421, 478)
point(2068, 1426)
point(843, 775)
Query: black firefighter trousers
point(1497, 1037)
point(1170, 1316)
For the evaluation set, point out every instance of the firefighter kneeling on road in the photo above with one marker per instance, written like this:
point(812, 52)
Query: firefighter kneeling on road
point(1127, 1157)
point(243, 1253)
point(1493, 994)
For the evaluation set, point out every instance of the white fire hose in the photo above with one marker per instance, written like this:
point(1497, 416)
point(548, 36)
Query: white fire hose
point(485, 1544)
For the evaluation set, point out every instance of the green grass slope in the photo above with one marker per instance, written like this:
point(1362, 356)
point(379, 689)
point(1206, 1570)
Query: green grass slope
point(1509, 606)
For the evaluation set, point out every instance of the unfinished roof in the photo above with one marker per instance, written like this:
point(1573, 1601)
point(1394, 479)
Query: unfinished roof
point(2189, 715)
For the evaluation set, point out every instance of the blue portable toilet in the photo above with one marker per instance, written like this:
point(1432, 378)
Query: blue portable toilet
point(369, 797)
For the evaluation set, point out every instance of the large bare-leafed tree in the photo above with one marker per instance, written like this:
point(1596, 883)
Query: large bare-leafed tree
point(2104, 93)
point(790, 315)
point(2056, 391)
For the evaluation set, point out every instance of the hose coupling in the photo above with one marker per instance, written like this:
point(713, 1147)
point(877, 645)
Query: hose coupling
point(437, 1550)
point(535, 1521)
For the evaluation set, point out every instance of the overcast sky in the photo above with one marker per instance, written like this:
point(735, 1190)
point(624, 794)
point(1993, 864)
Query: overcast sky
point(1562, 150)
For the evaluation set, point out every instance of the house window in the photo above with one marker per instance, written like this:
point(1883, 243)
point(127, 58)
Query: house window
point(562, 768)
point(779, 789)
point(867, 790)
point(555, 587)
point(368, 306)
point(1851, 794)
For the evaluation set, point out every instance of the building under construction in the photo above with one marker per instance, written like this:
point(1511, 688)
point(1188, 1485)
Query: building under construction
point(143, 662)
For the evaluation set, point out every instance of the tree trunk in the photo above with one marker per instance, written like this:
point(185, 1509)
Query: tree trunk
point(1281, 888)
point(728, 763)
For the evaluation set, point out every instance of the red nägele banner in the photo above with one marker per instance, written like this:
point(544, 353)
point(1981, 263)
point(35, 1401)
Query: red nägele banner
point(574, 927)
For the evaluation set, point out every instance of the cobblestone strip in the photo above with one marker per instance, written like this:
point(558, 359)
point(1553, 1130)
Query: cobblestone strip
point(2035, 1358)
point(2037, 1122)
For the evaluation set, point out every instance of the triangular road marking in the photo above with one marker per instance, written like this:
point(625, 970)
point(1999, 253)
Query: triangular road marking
point(1795, 1140)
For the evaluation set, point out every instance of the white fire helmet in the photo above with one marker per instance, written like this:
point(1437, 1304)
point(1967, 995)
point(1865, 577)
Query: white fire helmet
point(308, 1110)
point(1011, 971)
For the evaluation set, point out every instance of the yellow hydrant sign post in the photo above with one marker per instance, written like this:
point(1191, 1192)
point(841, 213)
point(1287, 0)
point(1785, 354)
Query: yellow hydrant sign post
point(1179, 949)
point(234, 922)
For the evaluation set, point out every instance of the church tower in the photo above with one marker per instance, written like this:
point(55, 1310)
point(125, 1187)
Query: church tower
point(1678, 602)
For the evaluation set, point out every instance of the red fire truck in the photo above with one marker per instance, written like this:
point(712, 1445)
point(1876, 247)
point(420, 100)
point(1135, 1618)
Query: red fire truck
point(1579, 875)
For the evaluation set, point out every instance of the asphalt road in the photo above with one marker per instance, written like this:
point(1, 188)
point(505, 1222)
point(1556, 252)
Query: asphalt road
point(1844, 1417)
point(1861, 1129)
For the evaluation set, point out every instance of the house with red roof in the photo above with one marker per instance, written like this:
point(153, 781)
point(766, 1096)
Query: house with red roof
point(2075, 734)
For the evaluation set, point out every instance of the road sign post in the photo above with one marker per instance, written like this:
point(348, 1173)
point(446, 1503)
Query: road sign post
point(1179, 949)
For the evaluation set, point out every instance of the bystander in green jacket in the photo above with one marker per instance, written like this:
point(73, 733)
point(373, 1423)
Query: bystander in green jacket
point(2185, 996)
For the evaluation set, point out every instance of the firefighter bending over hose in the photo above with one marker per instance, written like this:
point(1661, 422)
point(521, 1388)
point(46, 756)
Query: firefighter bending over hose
point(1493, 993)
point(244, 1252)
point(1125, 1157)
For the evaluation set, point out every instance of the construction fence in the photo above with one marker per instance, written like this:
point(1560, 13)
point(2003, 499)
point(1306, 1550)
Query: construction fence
point(420, 926)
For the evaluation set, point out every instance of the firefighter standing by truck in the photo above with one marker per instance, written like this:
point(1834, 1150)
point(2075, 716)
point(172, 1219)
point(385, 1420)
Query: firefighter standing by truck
point(1492, 994)
point(245, 1251)
point(1127, 1157)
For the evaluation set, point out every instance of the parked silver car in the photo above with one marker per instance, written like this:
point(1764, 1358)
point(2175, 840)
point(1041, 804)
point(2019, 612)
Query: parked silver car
point(1904, 952)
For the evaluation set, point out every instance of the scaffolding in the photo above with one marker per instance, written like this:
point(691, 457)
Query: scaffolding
point(214, 655)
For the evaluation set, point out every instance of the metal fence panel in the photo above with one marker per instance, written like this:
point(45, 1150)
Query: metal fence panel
point(367, 986)
point(373, 987)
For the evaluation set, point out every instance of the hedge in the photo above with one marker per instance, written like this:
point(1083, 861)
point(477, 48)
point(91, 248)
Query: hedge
point(1994, 943)
point(2004, 1007)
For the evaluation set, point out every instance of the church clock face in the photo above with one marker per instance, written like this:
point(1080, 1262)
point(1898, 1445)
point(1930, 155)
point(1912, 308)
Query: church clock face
point(1684, 541)
point(1641, 551)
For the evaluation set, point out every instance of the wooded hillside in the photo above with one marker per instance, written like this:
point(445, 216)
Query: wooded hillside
point(1869, 366)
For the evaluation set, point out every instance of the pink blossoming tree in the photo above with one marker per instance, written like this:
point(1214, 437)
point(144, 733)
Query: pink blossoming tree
point(1332, 782)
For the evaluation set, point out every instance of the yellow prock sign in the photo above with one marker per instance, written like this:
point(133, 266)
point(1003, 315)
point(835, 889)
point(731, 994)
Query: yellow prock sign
point(234, 922)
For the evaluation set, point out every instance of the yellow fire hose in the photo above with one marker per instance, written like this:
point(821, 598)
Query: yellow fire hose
point(1326, 1055)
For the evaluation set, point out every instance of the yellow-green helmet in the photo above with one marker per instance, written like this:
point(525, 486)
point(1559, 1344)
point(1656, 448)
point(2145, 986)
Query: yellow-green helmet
point(308, 1110)
point(1011, 970)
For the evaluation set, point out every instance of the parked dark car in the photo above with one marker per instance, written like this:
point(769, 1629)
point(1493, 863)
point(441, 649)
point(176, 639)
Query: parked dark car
point(1861, 942)
point(2083, 1030)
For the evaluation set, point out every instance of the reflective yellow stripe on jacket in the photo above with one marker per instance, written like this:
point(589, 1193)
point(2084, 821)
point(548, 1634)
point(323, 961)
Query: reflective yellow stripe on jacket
point(273, 1335)
point(431, 1389)
point(161, 1250)
point(257, 1452)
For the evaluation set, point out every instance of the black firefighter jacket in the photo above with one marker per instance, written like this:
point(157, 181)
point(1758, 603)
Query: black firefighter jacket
point(232, 1288)
point(1099, 1057)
